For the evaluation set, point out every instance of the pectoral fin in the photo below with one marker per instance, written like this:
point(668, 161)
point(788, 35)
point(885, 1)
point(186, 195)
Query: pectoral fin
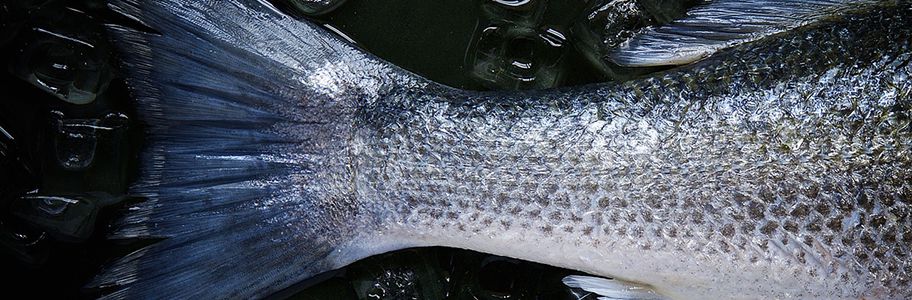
point(610, 289)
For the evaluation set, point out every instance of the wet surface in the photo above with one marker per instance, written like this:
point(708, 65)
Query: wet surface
point(496, 44)
point(444, 273)
point(476, 45)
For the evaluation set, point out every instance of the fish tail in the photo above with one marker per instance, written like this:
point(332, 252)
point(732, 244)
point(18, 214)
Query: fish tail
point(244, 170)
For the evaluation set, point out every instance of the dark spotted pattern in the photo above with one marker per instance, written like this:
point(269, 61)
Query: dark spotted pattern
point(793, 151)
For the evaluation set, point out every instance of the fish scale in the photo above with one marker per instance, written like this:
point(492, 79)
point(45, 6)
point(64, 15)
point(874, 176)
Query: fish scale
point(728, 177)
point(276, 152)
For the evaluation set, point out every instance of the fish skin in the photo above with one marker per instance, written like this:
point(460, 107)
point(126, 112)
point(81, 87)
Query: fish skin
point(776, 169)
point(779, 170)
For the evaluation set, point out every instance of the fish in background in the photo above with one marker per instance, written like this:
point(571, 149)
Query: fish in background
point(778, 168)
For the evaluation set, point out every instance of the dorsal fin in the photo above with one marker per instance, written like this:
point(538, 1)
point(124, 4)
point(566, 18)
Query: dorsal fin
point(721, 24)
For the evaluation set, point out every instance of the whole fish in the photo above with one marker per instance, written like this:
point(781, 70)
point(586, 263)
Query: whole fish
point(779, 168)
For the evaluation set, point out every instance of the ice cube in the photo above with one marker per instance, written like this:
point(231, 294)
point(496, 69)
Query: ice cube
point(65, 55)
point(393, 283)
point(315, 7)
point(16, 177)
point(76, 140)
point(510, 56)
point(521, 12)
point(66, 217)
point(23, 242)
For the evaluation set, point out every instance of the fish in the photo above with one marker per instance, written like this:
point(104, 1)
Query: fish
point(276, 151)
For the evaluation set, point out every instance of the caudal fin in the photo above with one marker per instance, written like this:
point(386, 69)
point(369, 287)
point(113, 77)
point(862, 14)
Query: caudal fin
point(246, 174)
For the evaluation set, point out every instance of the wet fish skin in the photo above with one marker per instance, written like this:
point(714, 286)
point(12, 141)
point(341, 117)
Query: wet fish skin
point(781, 169)
point(778, 169)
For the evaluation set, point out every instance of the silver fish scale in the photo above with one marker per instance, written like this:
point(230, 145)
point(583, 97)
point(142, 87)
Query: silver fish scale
point(790, 153)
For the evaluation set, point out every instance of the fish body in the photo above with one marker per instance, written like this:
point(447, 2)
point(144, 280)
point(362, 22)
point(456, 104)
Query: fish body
point(777, 169)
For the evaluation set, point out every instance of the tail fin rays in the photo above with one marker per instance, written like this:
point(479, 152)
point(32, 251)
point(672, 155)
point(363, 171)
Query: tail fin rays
point(234, 172)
